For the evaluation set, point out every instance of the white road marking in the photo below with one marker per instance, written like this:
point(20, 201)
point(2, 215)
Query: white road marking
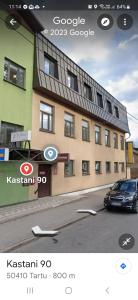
point(38, 231)
point(89, 211)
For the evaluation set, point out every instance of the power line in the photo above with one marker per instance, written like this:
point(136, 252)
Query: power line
point(134, 118)
point(21, 34)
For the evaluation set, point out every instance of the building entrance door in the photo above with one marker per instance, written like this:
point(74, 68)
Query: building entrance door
point(44, 189)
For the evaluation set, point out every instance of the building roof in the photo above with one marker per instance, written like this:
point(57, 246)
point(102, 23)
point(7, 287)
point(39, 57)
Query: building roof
point(31, 20)
point(59, 90)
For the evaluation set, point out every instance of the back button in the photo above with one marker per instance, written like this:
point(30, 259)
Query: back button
point(12, 22)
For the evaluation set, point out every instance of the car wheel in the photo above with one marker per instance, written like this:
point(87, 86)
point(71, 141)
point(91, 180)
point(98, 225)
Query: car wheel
point(109, 208)
point(135, 207)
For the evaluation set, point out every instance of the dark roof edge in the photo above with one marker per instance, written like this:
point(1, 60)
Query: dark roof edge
point(26, 15)
point(31, 20)
point(123, 106)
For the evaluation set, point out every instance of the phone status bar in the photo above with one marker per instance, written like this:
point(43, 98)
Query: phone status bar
point(70, 5)
point(89, 6)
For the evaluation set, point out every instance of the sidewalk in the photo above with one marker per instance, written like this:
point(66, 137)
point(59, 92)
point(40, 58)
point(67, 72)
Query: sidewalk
point(12, 212)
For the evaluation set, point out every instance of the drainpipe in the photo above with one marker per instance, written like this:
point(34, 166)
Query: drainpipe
point(125, 152)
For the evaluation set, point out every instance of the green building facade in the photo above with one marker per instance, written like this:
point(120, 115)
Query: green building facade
point(16, 78)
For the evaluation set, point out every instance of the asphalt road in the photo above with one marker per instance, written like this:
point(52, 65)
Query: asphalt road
point(93, 234)
point(19, 230)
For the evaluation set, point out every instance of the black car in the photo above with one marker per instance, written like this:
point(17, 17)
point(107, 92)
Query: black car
point(124, 193)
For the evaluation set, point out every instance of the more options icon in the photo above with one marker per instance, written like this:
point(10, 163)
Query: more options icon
point(125, 21)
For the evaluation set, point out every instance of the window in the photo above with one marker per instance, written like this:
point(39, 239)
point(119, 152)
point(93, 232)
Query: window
point(85, 130)
point(116, 112)
point(124, 186)
point(109, 107)
point(97, 134)
point(98, 167)
point(87, 91)
point(72, 81)
point(51, 66)
point(116, 167)
point(14, 73)
point(5, 134)
point(122, 142)
point(85, 167)
point(108, 166)
point(107, 137)
point(115, 139)
point(69, 168)
point(69, 125)
point(99, 100)
point(46, 117)
point(122, 164)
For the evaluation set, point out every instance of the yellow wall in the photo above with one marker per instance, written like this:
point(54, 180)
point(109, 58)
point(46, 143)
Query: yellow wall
point(79, 150)
point(130, 156)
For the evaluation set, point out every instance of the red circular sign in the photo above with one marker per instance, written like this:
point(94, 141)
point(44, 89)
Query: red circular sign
point(26, 168)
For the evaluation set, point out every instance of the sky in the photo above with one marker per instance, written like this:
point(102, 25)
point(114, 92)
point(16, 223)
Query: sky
point(110, 57)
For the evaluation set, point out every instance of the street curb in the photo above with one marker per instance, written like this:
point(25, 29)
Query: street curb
point(29, 240)
point(81, 192)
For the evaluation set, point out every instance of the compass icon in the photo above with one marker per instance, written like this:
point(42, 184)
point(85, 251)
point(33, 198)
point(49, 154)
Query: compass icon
point(105, 21)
